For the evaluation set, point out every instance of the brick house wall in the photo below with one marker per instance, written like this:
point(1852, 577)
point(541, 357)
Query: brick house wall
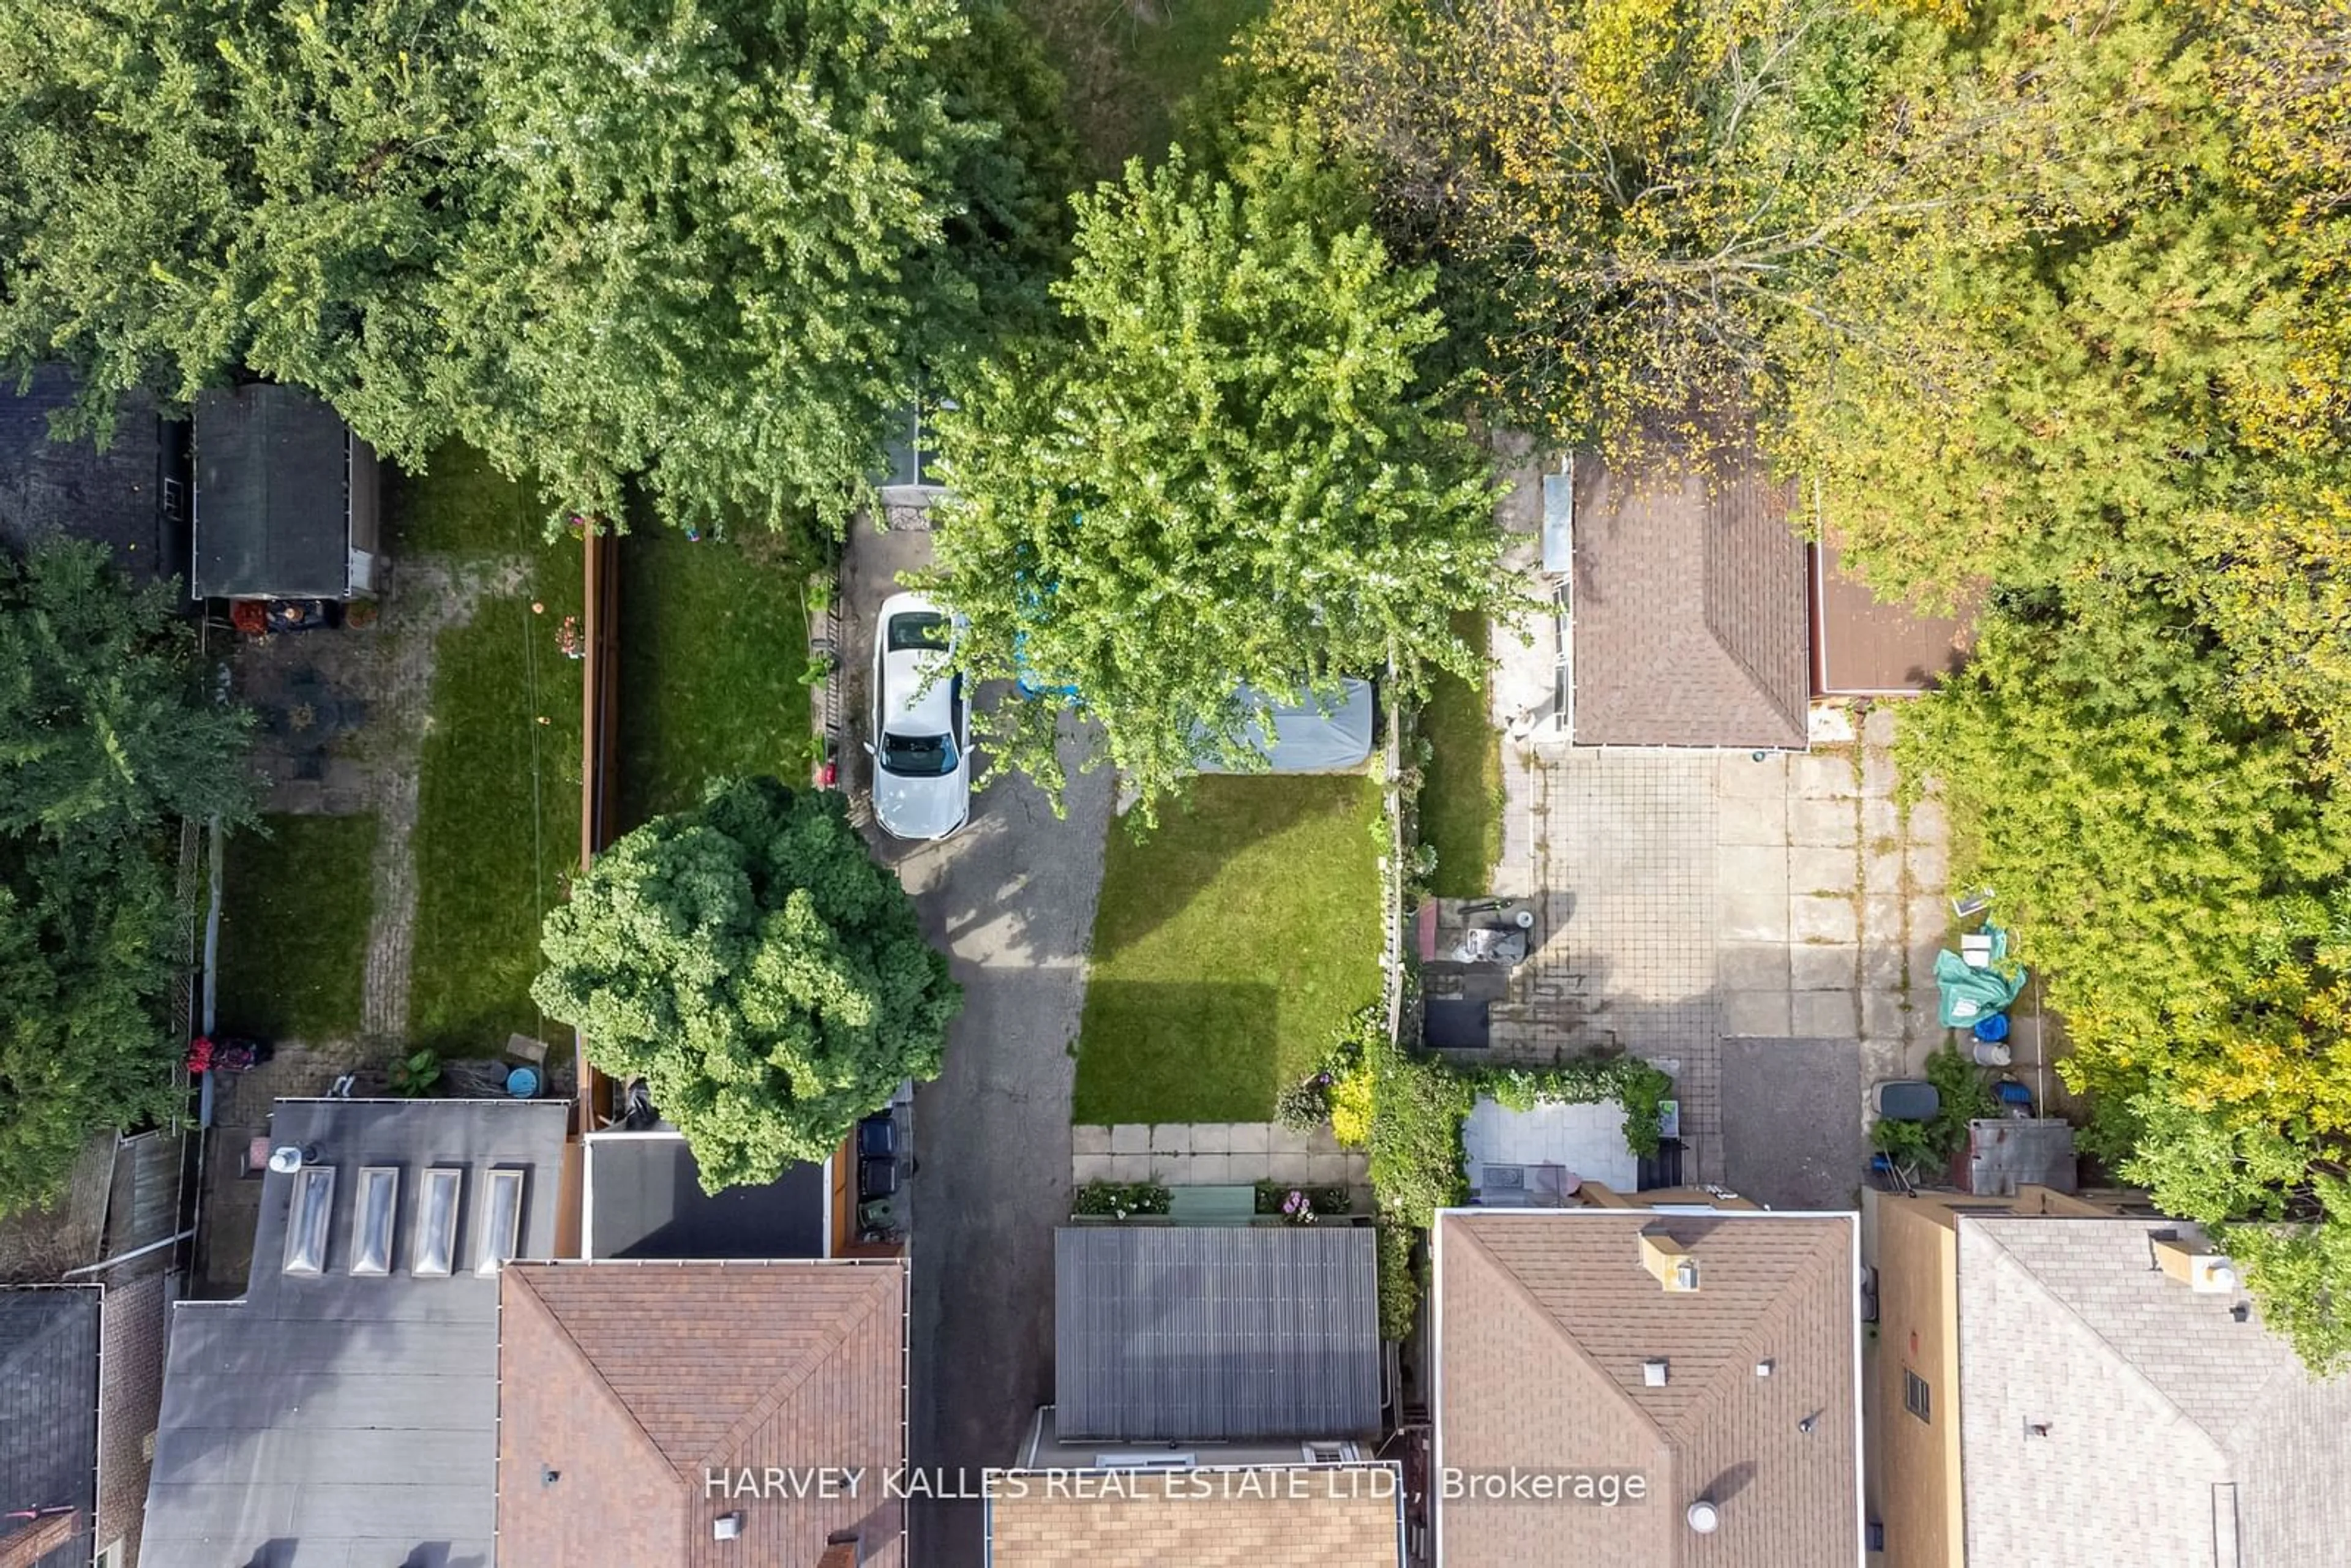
point(133, 1335)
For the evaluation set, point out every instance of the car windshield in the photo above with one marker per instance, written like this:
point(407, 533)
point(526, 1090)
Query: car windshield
point(922, 630)
point(919, 756)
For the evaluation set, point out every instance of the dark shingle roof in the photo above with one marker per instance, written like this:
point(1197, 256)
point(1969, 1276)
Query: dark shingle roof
point(1689, 608)
point(48, 1415)
point(334, 1418)
point(273, 481)
point(1209, 1335)
point(71, 488)
point(635, 1382)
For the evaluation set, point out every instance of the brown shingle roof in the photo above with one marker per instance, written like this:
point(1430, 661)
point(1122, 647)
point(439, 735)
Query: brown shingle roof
point(1270, 1517)
point(1544, 1324)
point(634, 1382)
point(1864, 644)
point(1689, 620)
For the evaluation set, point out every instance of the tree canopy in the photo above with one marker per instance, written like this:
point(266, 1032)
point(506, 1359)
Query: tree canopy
point(2109, 407)
point(1227, 469)
point(750, 961)
point(1626, 197)
point(710, 243)
point(107, 741)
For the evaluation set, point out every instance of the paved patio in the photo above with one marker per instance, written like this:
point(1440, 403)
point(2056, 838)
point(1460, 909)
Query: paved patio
point(1214, 1154)
point(1687, 897)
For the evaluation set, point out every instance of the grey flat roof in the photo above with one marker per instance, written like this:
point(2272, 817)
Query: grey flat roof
point(273, 496)
point(1168, 1333)
point(48, 1414)
point(645, 1200)
point(338, 1420)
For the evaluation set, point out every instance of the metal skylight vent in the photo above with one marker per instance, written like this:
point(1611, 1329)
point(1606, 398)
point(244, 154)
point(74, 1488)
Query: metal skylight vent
point(307, 1212)
point(501, 1221)
point(436, 1222)
point(379, 1207)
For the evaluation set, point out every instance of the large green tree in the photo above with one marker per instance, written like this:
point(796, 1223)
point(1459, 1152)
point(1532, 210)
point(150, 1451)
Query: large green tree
point(1227, 469)
point(1626, 196)
point(750, 961)
point(711, 242)
point(108, 740)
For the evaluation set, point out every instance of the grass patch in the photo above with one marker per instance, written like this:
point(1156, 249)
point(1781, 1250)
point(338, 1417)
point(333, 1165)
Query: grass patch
point(294, 903)
point(499, 789)
point(1229, 948)
point(1461, 788)
point(1128, 65)
point(714, 639)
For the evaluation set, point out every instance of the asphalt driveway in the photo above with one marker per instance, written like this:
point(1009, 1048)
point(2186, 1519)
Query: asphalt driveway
point(1011, 899)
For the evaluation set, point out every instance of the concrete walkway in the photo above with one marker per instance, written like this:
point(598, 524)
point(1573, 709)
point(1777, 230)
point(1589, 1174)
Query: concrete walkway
point(1212, 1154)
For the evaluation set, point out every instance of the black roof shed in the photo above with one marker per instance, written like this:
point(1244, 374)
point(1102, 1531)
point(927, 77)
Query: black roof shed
point(283, 493)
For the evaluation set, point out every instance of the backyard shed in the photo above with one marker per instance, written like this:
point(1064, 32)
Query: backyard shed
point(1173, 1334)
point(1309, 737)
point(131, 494)
point(1867, 646)
point(287, 500)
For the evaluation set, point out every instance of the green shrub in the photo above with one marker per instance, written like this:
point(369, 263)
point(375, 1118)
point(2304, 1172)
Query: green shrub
point(1399, 1290)
point(1417, 1107)
point(1304, 1105)
point(1121, 1199)
point(1328, 1201)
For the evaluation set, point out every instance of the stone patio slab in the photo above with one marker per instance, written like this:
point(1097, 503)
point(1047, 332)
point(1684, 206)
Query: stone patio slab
point(1763, 1014)
point(1816, 920)
point(1130, 1168)
point(1826, 824)
point(1172, 1138)
point(1885, 1015)
point(1084, 1168)
point(1130, 1138)
point(1823, 1015)
point(1738, 773)
point(1758, 820)
point(1286, 1167)
point(1822, 870)
point(1824, 776)
point(1210, 1170)
point(1089, 1140)
point(1752, 966)
point(1821, 966)
point(1281, 1140)
point(1322, 1141)
point(1328, 1170)
point(1755, 910)
point(1248, 1138)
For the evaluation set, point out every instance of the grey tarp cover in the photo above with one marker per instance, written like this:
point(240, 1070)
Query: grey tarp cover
point(1306, 738)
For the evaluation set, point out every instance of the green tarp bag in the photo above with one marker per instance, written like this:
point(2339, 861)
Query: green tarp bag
point(1970, 993)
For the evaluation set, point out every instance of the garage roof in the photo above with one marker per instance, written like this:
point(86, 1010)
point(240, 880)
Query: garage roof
point(1215, 1334)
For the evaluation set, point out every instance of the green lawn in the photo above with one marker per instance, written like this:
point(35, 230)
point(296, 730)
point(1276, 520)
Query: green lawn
point(1461, 792)
point(1128, 65)
point(1228, 948)
point(498, 791)
point(295, 901)
point(713, 644)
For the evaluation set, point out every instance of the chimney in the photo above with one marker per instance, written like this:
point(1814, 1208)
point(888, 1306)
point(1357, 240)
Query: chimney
point(1666, 1259)
point(840, 1550)
point(2206, 1273)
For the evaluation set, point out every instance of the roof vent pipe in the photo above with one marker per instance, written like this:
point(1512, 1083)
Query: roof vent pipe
point(1704, 1516)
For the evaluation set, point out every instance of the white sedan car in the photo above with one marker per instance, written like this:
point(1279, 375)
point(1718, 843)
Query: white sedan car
point(921, 731)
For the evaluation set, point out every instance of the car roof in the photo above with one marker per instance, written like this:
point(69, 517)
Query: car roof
point(913, 702)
